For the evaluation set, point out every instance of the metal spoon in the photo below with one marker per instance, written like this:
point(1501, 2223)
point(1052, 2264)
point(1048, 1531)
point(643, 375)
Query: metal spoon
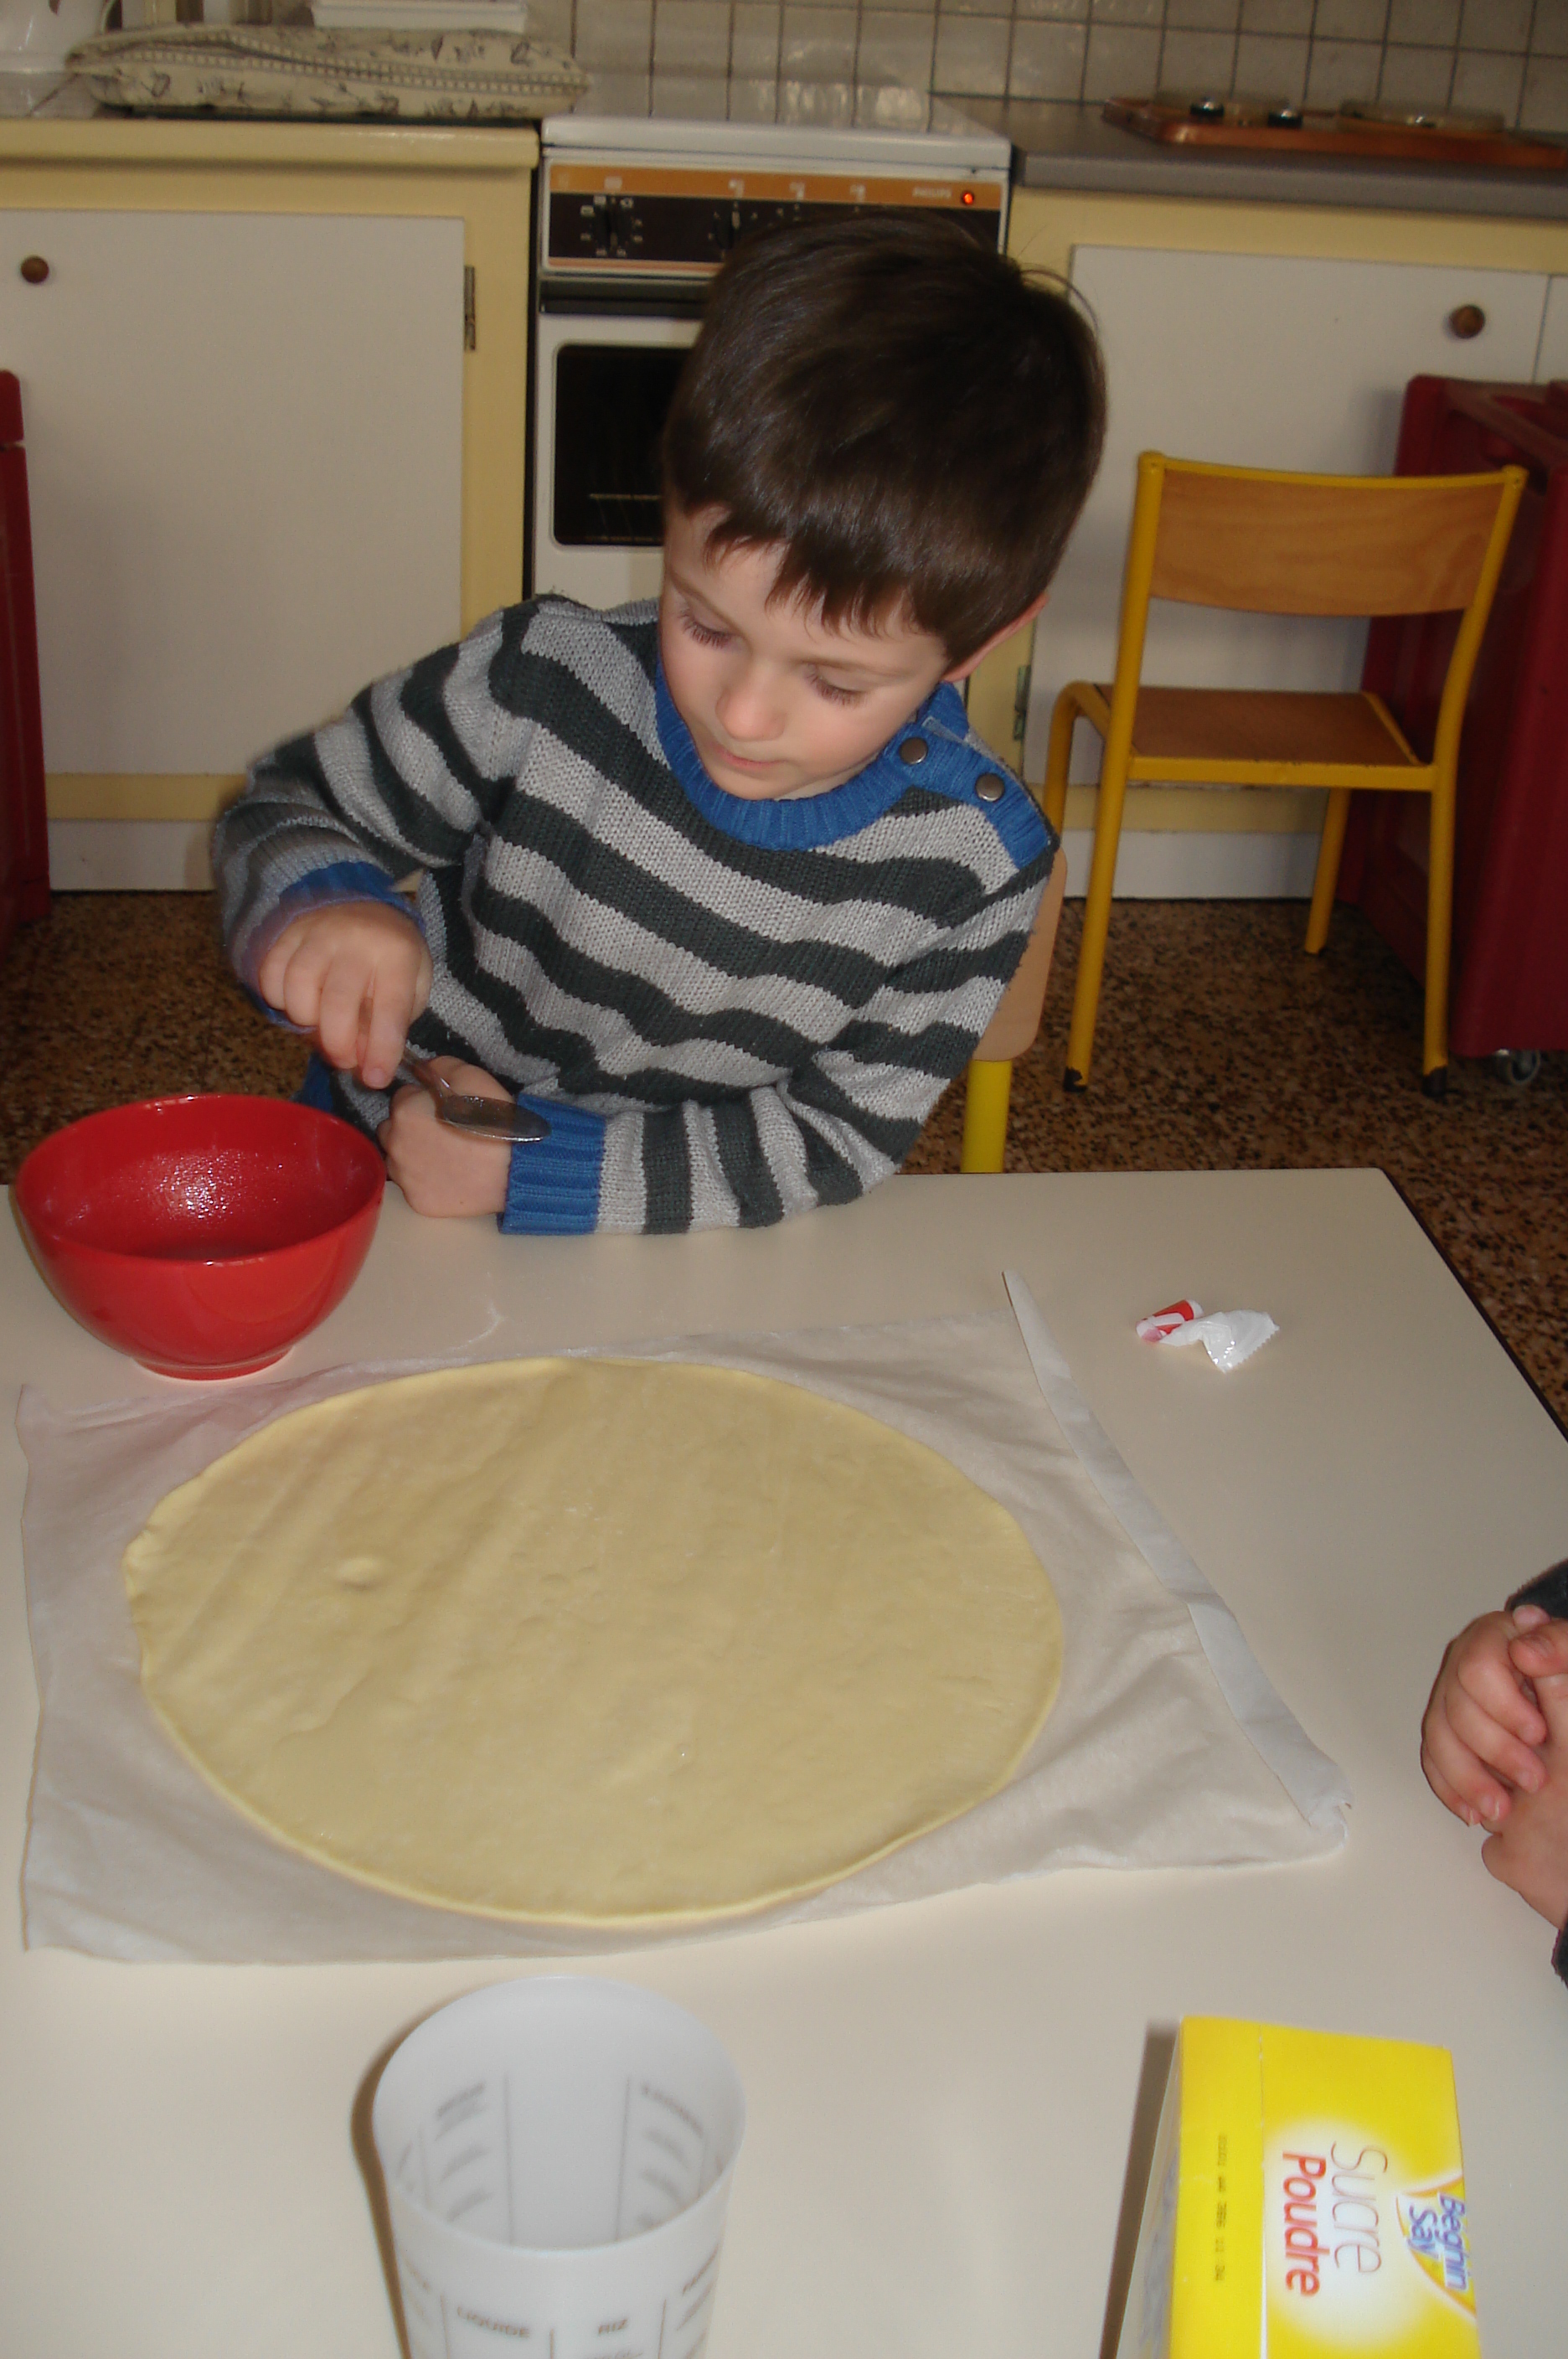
point(483, 1117)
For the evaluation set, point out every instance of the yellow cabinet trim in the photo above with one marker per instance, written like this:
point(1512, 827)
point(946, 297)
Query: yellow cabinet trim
point(137, 795)
point(1045, 226)
point(144, 140)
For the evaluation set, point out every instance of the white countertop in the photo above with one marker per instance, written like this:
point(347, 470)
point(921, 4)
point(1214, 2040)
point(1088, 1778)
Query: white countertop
point(942, 2095)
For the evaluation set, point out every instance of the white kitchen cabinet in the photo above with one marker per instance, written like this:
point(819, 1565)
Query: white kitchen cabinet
point(245, 440)
point(275, 387)
point(1259, 361)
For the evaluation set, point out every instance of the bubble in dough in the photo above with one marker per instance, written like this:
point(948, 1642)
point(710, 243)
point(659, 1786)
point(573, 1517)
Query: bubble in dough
point(591, 1641)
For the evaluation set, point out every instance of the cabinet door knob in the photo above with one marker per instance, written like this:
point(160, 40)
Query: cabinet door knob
point(1467, 321)
point(34, 269)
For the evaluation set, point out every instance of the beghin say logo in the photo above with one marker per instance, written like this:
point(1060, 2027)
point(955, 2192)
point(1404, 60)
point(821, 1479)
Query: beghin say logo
point(1433, 2221)
point(1331, 2215)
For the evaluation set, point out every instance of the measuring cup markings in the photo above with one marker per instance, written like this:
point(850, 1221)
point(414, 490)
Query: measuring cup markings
point(704, 2271)
point(453, 2111)
point(423, 2312)
point(702, 2302)
point(493, 2325)
point(479, 2172)
point(655, 2125)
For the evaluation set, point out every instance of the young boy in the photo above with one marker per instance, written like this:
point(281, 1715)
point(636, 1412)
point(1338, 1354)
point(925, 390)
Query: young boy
point(725, 890)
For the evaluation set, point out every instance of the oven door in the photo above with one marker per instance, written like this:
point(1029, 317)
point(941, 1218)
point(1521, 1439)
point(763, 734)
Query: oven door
point(603, 379)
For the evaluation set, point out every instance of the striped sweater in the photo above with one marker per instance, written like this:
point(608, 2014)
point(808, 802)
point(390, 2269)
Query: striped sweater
point(728, 1011)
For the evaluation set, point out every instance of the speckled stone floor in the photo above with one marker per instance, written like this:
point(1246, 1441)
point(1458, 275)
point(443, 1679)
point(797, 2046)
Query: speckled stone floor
point(1220, 1047)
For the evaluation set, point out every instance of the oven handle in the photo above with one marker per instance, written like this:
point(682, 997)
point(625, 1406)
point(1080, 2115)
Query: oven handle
point(600, 303)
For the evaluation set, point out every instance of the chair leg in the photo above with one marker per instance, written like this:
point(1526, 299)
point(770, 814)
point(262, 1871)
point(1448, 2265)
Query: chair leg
point(1438, 924)
point(1330, 847)
point(1057, 757)
point(1096, 924)
point(986, 1092)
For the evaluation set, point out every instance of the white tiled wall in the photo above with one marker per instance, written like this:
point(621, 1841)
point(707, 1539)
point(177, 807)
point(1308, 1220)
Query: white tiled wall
point(843, 60)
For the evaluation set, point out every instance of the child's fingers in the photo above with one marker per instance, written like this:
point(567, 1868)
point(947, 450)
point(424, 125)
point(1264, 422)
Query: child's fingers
point(1450, 1795)
point(1542, 1649)
point(1463, 1782)
point(1492, 1685)
point(339, 1010)
point(1551, 1692)
point(390, 1012)
point(1493, 1743)
point(275, 966)
point(1460, 1777)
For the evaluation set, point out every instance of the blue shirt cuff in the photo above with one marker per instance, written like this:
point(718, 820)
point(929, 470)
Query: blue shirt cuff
point(552, 1187)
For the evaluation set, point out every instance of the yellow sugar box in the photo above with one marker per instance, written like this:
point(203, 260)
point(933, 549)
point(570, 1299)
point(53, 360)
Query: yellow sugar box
point(1306, 2198)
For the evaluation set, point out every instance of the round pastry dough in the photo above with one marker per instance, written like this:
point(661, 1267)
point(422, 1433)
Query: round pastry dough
point(593, 1641)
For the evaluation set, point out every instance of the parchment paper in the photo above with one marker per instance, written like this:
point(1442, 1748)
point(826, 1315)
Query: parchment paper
point(1142, 1764)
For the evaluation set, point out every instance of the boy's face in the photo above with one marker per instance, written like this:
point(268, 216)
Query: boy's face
point(778, 703)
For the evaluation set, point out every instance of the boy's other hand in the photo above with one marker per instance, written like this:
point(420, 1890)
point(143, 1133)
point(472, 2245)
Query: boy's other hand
point(1530, 1852)
point(355, 975)
point(1482, 1724)
point(448, 1173)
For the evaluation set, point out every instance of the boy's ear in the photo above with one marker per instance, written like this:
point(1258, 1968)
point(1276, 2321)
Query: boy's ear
point(969, 663)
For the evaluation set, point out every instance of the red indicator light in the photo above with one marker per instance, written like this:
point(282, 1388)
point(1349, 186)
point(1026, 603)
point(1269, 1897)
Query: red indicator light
point(967, 198)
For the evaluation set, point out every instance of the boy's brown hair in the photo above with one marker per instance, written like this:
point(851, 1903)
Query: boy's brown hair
point(911, 418)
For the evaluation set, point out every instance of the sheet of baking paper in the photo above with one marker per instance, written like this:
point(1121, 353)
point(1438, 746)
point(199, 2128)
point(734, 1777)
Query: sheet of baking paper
point(1318, 1787)
point(130, 1854)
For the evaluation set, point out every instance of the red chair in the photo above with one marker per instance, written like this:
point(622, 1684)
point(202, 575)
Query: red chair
point(24, 831)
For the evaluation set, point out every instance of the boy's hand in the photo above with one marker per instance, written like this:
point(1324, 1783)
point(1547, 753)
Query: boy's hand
point(446, 1172)
point(1531, 1852)
point(357, 974)
point(1482, 1726)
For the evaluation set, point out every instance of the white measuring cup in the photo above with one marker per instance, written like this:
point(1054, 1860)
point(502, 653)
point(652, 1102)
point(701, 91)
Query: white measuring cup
point(558, 2152)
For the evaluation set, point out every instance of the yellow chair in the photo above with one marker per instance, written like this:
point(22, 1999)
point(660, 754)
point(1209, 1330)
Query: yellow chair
point(988, 1085)
point(1260, 542)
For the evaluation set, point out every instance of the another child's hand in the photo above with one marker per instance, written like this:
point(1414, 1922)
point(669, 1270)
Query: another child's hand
point(355, 973)
point(446, 1172)
point(1482, 1726)
point(1531, 1852)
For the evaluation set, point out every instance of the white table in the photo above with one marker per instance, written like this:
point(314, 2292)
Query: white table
point(941, 2096)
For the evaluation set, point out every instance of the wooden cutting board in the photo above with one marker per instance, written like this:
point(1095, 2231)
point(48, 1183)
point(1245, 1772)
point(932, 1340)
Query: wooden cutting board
point(1327, 134)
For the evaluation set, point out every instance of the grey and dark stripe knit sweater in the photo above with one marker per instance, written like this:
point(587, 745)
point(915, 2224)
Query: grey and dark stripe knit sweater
point(728, 1011)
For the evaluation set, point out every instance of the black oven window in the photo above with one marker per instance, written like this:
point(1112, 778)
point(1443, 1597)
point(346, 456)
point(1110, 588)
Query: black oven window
point(610, 406)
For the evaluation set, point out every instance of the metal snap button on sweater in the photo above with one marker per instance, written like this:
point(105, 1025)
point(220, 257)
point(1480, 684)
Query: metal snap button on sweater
point(989, 787)
point(913, 750)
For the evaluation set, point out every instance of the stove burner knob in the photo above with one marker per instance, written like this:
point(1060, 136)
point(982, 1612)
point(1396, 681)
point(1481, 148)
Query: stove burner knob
point(1284, 118)
point(1207, 110)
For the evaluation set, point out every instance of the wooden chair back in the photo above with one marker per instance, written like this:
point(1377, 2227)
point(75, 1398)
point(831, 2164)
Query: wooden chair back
point(1275, 544)
point(1013, 1028)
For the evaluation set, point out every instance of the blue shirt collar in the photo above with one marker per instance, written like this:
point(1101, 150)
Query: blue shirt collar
point(803, 823)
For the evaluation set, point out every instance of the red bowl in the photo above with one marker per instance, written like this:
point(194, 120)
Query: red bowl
point(204, 1235)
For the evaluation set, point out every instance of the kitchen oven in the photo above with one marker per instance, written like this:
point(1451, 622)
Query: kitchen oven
point(634, 216)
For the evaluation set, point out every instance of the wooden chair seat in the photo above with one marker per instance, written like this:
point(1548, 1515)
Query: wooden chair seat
point(1216, 728)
